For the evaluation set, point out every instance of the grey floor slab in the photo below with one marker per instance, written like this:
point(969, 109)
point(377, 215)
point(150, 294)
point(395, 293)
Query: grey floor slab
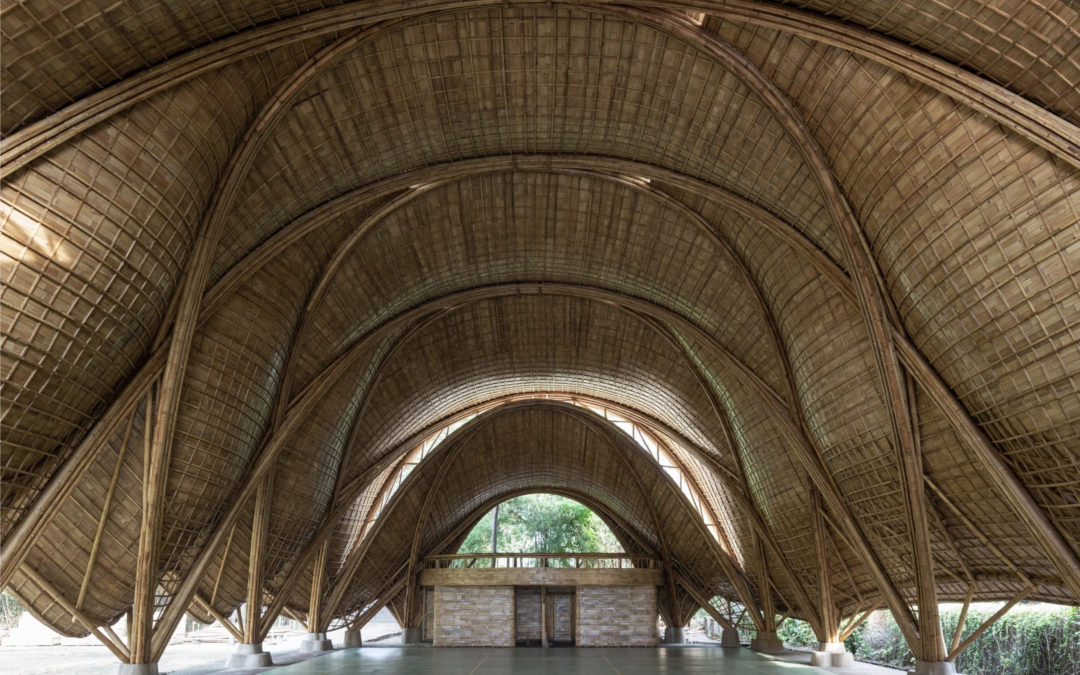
point(409, 661)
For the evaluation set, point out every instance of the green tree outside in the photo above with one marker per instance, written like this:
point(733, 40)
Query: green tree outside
point(542, 523)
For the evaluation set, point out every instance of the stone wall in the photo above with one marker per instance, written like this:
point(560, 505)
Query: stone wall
point(527, 610)
point(616, 616)
point(474, 616)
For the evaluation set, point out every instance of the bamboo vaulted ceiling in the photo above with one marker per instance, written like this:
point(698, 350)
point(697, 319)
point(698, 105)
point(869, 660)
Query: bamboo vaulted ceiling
point(774, 233)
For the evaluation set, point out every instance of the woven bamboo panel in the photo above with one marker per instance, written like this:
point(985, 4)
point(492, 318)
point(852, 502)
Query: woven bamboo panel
point(532, 227)
point(1032, 48)
point(399, 103)
point(826, 343)
point(76, 50)
point(62, 553)
point(976, 493)
point(950, 463)
point(225, 583)
point(515, 345)
point(239, 356)
point(974, 231)
point(968, 244)
point(84, 289)
point(98, 234)
point(362, 512)
point(53, 56)
point(773, 477)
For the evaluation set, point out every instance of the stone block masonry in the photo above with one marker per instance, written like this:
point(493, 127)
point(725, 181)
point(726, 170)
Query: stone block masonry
point(476, 616)
point(527, 610)
point(616, 616)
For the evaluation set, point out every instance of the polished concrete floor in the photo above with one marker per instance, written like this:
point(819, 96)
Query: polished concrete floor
point(465, 661)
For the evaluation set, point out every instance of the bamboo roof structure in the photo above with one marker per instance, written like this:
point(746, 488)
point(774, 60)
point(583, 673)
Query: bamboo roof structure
point(255, 253)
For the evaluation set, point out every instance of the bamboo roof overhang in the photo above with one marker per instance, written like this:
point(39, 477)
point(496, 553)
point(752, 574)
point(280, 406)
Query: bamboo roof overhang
point(829, 258)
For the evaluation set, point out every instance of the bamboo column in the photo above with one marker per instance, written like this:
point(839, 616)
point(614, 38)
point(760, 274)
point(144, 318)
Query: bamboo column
point(768, 608)
point(256, 563)
point(931, 642)
point(318, 586)
point(155, 473)
point(830, 628)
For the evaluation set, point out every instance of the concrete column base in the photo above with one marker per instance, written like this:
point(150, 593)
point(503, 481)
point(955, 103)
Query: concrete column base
point(729, 637)
point(674, 635)
point(353, 639)
point(316, 642)
point(832, 654)
point(935, 668)
point(412, 636)
point(767, 643)
point(138, 669)
point(249, 656)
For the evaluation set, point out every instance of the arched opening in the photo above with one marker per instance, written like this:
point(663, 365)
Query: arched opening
point(540, 523)
point(667, 451)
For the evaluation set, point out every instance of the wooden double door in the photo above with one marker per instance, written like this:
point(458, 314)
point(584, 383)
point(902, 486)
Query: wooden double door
point(560, 609)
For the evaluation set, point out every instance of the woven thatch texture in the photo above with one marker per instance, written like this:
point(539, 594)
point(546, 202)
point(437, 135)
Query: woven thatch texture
point(520, 80)
point(55, 55)
point(536, 227)
point(311, 461)
point(76, 50)
point(521, 344)
point(971, 227)
point(1031, 48)
point(99, 231)
point(62, 554)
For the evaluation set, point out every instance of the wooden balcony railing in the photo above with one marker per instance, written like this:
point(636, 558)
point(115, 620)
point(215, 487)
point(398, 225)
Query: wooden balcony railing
point(527, 560)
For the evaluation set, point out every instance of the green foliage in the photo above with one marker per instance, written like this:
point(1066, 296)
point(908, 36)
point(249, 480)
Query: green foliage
point(542, 523)
point(1031, 639)
point(10, 610)
point(796, 633)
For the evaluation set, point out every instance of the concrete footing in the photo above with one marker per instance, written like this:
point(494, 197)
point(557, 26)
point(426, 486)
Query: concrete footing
point(729, 637)
point(249, 656)
point(316, 642)
point(138, 669)
point(767, 643)
point(832, 654)
point(412, 636)
point(674, 635)
point(935, 668)
point(353, 639)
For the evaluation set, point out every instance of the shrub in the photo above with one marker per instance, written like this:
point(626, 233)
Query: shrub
point(1031, 639)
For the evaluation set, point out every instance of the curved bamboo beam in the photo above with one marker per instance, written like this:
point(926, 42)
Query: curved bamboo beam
point(1053, 133)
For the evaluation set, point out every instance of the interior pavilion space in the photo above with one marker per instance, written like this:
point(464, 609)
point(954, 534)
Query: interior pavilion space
point(294, 291)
